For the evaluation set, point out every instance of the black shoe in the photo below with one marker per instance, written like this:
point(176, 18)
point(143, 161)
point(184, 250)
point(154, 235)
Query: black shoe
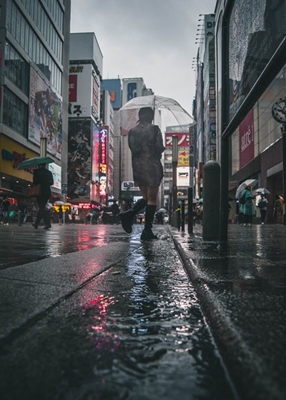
point(35, 226)
point(47, 226)
point(127, 220)
point(147, 234)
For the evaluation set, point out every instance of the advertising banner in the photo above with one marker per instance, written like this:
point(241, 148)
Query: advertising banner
point(83, 91)
point(183, 139)
point(79, 160)
point(246, 139)
point(45, 115)
point(56, 170)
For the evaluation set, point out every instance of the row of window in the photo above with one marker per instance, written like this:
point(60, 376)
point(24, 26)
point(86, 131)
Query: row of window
point(16, 69)
point(26, 37)
point(15, 112)
point(43, 23)
point(56, 12)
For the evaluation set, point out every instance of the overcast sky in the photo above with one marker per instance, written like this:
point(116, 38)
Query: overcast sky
point(152, 39)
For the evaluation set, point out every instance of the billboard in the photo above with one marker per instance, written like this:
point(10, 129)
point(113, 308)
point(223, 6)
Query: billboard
point(84, 91)
point(183, 139)
point(79, 160)
point(45, 115)
point(114, 88)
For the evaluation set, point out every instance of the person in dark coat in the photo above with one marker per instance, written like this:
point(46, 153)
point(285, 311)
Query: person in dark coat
point(146, 144)
point(43, 177)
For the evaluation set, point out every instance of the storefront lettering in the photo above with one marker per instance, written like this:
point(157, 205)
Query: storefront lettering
point(75, 69)
point(15, 156)
point(247, 138)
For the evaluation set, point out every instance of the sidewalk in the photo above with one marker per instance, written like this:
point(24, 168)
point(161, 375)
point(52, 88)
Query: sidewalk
point(241, 286)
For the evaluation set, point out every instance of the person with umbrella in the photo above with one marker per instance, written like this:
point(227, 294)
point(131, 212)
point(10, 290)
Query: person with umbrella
point(262, 205)
point(247, 206)
point(43, 177)
point(146, 144)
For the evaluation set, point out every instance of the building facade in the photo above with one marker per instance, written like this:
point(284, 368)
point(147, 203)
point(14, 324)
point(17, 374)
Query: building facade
point(250, 76)
point(87, 138)
point(34, 54)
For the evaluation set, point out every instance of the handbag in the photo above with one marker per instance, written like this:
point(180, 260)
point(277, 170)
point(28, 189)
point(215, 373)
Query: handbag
point(34, 191)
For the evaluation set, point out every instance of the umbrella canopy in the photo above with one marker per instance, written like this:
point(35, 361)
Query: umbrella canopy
point(34, 162)
point(163, 210)
point(262, 190)
point(169, 110)
point(59, 203)
point(242, 186)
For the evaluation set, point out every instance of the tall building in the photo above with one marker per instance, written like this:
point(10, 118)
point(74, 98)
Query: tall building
point(205, 99)
point(87, 138)
point(34, 56)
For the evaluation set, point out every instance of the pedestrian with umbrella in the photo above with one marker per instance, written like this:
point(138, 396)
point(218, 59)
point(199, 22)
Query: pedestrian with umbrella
point(44, 178)
point(146, 144)
point(246, 205)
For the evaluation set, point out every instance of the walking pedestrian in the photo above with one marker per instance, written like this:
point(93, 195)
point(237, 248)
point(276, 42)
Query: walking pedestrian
point(146, 144)
point(115, 211)
point(6, 206)
point(278, 209)
point(262, 205)
point(61, 215)
point(43, 177)
point(247, 206)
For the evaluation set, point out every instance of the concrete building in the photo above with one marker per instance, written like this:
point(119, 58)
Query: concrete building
point(87, 138)
point(205, 100)
point(34, 56)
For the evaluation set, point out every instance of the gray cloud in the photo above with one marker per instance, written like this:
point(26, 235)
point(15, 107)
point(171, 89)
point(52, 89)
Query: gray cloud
point(152, 39)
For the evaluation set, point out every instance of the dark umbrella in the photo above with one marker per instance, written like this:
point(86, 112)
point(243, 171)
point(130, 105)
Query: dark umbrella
point(34, 162)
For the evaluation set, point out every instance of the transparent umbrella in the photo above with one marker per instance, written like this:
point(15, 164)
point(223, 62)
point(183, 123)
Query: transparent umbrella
point(168, 112)
point(242, 186)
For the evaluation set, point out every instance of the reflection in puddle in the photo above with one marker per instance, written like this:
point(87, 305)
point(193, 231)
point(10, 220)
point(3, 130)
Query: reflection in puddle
point(152, 342)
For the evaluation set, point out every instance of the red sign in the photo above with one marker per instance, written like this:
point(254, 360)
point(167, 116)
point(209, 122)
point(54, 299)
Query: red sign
point(72, 88)
point(183, 139)
point(246, 139)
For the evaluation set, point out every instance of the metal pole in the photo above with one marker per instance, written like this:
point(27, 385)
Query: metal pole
point(183, 215)
point(174, 164)
point(190, 210)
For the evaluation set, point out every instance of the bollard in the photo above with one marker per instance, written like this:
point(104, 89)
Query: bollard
point(211, 201)
point(19, 218)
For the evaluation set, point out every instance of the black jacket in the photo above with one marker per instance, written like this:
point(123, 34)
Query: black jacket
point(44, 177)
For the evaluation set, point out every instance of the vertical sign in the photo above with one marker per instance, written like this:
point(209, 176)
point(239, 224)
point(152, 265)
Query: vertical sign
point(246, 139)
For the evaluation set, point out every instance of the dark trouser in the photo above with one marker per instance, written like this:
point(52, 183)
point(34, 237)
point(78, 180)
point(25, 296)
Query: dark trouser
point(263, 215)
point(248, 219)
point(42, 212)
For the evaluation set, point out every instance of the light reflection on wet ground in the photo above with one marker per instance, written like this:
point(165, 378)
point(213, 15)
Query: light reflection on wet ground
point(151, 341)
point(20, 245)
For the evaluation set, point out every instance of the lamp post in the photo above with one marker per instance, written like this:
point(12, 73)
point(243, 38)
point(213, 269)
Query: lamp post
point(174, 165)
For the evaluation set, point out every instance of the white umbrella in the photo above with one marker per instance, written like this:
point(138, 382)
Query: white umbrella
point(163, 210)
point(262, 190)
point(242, 186)
point(170, 112)
point(59, 203)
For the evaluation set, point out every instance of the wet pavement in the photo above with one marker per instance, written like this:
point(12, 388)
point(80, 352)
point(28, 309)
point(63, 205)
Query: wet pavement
point(88, 312)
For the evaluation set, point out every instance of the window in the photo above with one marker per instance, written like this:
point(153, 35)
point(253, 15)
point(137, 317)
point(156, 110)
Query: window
point(15, 112)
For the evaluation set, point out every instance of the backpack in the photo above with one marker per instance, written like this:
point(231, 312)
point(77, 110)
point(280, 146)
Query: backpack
point(262, 204)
